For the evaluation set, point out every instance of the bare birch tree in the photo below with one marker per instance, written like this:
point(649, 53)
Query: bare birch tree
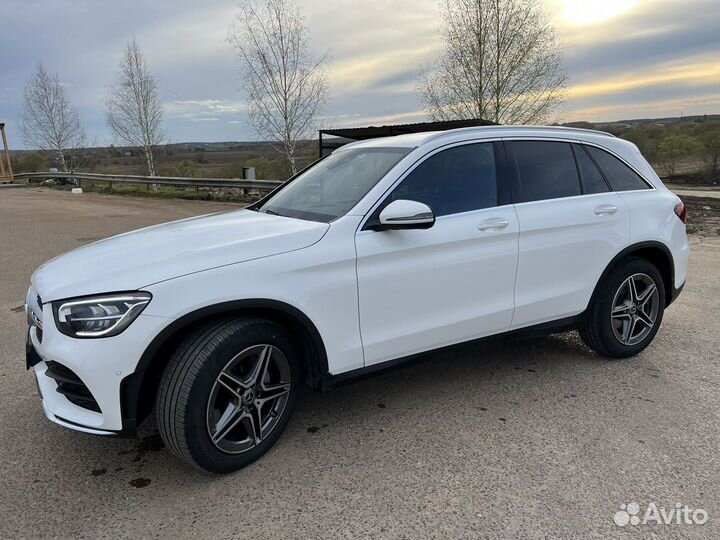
point(134, 109)
point(502, 62)
point(49, 121)
point(284, 85)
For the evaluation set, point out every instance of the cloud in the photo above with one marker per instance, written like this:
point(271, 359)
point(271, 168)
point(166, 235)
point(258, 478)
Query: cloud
point(374, 41)
point(654, 33)
point(221, 106)
point(641, 58)
point(574, 13)
point(204, 110)
point(691, 72)
point(401, 118)
point(641, 107)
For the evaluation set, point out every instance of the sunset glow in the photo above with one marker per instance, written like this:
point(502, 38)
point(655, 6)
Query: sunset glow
point(588, 12)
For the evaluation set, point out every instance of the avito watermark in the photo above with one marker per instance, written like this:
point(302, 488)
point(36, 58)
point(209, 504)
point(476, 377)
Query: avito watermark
point(680, 514)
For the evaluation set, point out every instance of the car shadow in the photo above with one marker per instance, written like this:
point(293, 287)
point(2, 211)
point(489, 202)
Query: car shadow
point(476, 366)
point(479, 370)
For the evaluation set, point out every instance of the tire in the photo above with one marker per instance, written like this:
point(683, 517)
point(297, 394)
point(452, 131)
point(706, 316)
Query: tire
point(607, 328)
point(215, 388)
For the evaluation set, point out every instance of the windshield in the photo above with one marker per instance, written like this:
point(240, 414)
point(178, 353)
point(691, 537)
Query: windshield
point(331, 188)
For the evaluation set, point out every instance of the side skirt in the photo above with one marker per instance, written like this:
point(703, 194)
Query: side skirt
point(328, 381)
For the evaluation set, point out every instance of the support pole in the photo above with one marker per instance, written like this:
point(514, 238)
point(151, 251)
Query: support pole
point(7, 155)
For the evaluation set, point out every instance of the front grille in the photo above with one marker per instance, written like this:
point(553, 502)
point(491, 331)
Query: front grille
point(70, 386)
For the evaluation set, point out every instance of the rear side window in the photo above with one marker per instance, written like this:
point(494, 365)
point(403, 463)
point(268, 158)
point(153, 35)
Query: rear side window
point(456, 180)
point(590, 177)
point(620, 176)
point(546, 170)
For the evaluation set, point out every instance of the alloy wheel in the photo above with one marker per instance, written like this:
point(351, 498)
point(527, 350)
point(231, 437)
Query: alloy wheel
point(635, 309)
point(248, 398)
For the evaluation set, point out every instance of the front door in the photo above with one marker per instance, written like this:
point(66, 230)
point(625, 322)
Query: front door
point(424, 289)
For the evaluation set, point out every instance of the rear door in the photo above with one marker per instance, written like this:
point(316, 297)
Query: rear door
point(571, 226)
point(423, 289)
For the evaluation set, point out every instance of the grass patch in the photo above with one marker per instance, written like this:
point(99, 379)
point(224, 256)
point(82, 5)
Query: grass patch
point(168, 192)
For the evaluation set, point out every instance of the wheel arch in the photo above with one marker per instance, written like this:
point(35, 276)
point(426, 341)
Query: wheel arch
point(138, 390)
point(655, 252)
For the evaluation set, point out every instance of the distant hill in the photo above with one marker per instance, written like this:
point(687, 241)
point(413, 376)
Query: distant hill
point(248, 146)
point(620, 126)
point(265, 147)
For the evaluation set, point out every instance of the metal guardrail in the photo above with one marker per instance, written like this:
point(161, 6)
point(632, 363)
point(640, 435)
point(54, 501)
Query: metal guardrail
point(260, 185)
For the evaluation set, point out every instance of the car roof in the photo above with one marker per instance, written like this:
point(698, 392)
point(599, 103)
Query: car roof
point(431, 140)
point(414, 140)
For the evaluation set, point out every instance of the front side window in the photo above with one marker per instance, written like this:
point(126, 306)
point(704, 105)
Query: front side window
point(620, 176)
point(456, 180)
point(332, 187)
point(546, 170)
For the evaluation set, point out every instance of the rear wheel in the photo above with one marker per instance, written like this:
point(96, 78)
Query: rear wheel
point(227, 393)
point(626, 310)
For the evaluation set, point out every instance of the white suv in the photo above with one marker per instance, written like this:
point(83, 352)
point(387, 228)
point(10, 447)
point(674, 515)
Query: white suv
point(384, 250)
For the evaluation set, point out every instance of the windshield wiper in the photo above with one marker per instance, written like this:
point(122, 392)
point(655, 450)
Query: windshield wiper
point(271, 212)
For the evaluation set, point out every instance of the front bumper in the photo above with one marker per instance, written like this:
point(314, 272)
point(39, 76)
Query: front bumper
point(675, 293)
point(99, 364)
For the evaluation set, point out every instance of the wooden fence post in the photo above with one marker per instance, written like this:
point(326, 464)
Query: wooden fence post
point(7, 154)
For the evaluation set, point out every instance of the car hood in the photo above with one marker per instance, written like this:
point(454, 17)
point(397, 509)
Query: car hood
point(140, 258)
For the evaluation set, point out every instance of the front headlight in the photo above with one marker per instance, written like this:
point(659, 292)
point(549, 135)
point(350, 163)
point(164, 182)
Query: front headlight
point(101, 316)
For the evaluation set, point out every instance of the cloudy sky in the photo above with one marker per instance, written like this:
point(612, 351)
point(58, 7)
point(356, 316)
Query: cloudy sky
point(625, 58)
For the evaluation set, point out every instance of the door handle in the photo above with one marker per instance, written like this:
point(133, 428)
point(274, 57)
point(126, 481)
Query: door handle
point(493, 224)
point(605, 209)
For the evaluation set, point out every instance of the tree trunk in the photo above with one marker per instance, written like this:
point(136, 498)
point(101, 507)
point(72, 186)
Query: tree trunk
point(150, 165)
point(479, 31)
point(61, 158)
point(293, 164)
point(497, 61)
point(290, 154)
point(150, 160)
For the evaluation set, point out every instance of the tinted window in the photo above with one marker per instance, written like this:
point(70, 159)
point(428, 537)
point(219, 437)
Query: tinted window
point(590, 177)
point(620, 176)
point(456, 180)
point(546, 169)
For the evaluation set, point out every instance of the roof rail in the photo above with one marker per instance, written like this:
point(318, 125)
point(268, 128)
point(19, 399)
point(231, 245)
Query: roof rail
point(481, 129)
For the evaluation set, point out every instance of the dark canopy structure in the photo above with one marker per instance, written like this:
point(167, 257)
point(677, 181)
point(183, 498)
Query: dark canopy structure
point(343, 136)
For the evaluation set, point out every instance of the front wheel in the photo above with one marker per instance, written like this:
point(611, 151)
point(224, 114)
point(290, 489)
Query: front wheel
point(626, 310)
point(227, 393)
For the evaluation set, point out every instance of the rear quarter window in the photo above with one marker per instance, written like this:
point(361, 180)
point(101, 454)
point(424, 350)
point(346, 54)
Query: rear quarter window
point(590, 177)
point(619, 176)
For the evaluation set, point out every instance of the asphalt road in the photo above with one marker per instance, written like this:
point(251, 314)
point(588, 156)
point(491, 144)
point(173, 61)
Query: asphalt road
point(534, 439)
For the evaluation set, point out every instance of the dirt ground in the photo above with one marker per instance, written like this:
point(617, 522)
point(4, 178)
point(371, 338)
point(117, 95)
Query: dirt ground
point(703, 215)
point(538, 438)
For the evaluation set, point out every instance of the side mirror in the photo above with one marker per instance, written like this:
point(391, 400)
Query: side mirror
point(404, 214)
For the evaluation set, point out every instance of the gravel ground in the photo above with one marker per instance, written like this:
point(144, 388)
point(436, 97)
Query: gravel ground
point(703, 215)
point(536, 439)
